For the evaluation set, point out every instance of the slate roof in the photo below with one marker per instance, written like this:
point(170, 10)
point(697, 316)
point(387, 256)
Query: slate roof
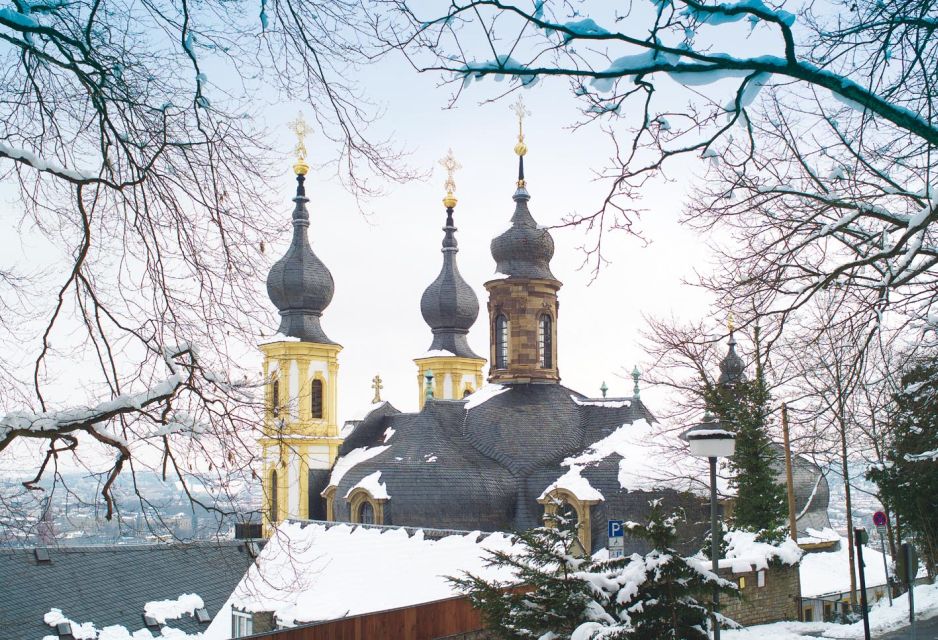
point(481, 468)
point(109, 585)
point(524, 250)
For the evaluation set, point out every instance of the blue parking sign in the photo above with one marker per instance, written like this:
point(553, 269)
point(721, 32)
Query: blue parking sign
point(616, 529)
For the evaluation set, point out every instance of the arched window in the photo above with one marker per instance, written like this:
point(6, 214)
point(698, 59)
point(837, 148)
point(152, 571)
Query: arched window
point(467, 392)
point(315, 399)
point(501, 342)
point(366, 513)
point(274, 507)
point(544, 342)
point(275, 397)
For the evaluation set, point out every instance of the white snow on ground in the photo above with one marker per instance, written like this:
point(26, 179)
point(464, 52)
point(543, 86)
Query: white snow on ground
point(312, 572)
point(826, 572)
point(883, 619)
point(163, 610)
point(485, 393)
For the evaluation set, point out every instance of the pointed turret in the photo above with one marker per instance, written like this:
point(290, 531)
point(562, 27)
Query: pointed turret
point(299, 284)
point(732, 367)
point(450, 307)
point(523, 300)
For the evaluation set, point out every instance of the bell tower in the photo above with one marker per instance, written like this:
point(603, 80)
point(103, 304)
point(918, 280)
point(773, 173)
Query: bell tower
point(300, 436)
point(450, 307)
point(523, 306)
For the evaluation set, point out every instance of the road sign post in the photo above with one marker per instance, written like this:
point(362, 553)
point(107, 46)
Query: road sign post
point(616, 546)
point(879, 519)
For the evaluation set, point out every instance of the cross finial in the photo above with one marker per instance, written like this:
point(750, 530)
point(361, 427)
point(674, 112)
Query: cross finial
point(377, 386)
point(449, 163)
point(729, 322)
point(301, 129)
point(521, 112)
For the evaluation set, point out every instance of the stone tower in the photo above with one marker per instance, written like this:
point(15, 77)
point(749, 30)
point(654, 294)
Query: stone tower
point(523, 305)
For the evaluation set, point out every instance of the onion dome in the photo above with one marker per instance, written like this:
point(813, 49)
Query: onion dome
point(732, 367)
point(524, 250)
point(449, 305)
point(299, 284)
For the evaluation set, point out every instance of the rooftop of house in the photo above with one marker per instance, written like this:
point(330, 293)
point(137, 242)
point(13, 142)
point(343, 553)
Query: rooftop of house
point(112, 585)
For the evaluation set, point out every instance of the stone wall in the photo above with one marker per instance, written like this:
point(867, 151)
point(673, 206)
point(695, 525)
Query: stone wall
point(778, 599)
point(523, 301)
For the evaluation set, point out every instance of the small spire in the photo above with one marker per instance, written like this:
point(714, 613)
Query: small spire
point(301, 129)
point(520, 148)
point(429, 388)
point(451, 165)
point(604, 389)
point(377, 386)
point(636, 374)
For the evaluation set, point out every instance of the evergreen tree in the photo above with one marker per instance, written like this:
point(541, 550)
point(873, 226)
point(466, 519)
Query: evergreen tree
point(908, 477)
point(760, 499)
point(553, 598)
point(642, 597)
point(655, 595)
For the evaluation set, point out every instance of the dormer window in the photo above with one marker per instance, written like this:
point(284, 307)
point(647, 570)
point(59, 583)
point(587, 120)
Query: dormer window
point(315, 399)
point(544, 342)
point(366, 513)
point(501, 342)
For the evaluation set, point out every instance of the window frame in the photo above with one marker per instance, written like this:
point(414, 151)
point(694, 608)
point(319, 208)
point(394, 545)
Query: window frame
point(242, 624)
point(545, 341)
point(317, 396)
point(274, 513)
point(501, 341)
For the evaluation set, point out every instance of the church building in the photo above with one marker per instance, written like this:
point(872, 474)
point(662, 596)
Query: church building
point(491, 457)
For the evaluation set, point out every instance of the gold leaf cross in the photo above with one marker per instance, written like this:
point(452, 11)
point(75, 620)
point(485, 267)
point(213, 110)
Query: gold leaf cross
point(301, 129)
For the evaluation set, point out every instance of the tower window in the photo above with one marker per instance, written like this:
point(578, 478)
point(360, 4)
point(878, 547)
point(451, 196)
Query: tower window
point(501, 342)
point(273, 497)
point(544, 342)
point(315, 400)
point(366, 513)
point(275, 397)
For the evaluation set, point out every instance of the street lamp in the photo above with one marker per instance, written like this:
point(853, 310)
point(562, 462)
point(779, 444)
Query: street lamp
point(709, 439)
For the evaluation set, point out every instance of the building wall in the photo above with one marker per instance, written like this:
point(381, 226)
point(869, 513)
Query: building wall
point(778, 600)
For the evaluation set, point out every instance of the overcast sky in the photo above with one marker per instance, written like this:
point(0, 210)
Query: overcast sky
point(383, 262)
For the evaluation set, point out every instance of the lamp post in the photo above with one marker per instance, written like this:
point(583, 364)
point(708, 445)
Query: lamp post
point(709, 439)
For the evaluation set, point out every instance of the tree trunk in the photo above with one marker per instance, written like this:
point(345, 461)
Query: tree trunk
point(849, 506)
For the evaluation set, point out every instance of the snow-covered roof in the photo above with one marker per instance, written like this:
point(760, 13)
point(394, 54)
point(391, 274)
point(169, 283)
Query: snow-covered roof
point(373, 485)
point(352, 458)
point(576, 484)
point(651, 459)
point(826, 572)
point(485, 393)
point(313, 571)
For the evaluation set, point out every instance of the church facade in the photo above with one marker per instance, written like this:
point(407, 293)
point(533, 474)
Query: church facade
point(491, 457)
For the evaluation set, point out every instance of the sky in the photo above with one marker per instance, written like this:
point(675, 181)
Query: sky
point(383, 261)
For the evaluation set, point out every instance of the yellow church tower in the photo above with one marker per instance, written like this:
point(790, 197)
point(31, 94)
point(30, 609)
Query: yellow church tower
point(449, 370)
point(300, 439)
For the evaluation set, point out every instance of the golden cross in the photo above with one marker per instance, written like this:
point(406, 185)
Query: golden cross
point(449, 163)
point(377, 386)
point(521, 112)
point(729, 322)
point(301, 129)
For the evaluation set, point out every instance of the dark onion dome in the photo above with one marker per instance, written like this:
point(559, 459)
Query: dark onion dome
point(732, 367)
point(524, 250)
point(299, 284)
point(449, 305)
